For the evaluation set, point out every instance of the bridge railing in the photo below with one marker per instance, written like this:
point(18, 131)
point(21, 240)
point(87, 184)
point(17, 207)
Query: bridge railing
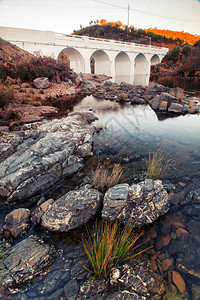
point(112, 44)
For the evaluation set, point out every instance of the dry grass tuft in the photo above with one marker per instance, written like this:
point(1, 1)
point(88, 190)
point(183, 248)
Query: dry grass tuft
point(104, 178)
point(157, 165)
point(6, 95)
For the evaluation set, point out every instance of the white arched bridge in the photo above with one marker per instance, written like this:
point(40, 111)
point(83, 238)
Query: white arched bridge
point(123, 61)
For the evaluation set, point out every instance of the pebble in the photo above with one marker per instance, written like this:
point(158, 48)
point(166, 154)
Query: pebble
point(178, 281)
point(166, 263)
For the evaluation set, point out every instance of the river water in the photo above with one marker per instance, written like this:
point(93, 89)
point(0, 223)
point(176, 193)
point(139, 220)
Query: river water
point(129, 134)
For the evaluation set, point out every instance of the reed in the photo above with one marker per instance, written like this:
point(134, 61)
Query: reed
point(107, 244)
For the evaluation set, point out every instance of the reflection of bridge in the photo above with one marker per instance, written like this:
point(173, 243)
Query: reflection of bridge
point(123, 61)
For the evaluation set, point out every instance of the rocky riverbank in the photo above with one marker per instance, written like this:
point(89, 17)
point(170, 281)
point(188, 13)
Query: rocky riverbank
point(39, 157)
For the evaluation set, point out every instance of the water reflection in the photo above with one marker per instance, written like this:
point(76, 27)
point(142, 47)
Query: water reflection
point(131, 131)
point(188, 84)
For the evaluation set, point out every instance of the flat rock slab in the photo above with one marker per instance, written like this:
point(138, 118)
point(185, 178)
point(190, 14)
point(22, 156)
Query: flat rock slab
point(72, 210)
point(139, 204)
point(34, 160)
point(26, 260)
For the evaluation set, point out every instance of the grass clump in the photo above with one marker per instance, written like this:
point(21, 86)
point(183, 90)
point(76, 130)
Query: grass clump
point(107, 244)
point(156, 165)
point(104, 178)
point(6, 95)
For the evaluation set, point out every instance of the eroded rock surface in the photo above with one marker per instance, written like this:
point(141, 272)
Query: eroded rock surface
point(17, 222)
point(139, 204)
point(137, 278)
point(26, 260)
point(35, 159)
point(72, 210)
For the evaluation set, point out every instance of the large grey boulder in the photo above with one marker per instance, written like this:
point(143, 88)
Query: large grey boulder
point(139, 204)
point(72, 210)
point(26, 260)
point(36, 159)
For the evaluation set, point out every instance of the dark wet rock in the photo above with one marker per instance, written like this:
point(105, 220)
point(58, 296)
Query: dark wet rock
point(196, 291)
point(53, 281)
point(26, 260)
point(176, 247)
point(137, 278)
point(165, 225)
point(72, 210)
point(193, 226)
point(163, 97)
point(174, 198)
point(176, 108)
point(17, 222)
point(38, 159)
point(192, 210)
point(189, 263)
point(84, 150)
point(177, 92)
point(41, 83)
point(158, 88)
point(139, 203)
point(185, 108)
point(40, 210)
point(55, 295)
point(155, 102)
point(78, 271)
point(71, 288)
point(191, 196)
point(162, 241)
point(195, 109)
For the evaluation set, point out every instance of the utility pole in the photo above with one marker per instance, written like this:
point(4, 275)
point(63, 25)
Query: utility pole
point(128, 18)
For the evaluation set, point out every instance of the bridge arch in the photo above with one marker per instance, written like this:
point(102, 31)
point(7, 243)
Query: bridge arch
point(102, 62)
point(140, 70)
point(77, 62)
point(122, 67)
point(155, 60)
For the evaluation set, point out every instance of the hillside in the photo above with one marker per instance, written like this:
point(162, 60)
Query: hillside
point(154, 36)
point(11, 53)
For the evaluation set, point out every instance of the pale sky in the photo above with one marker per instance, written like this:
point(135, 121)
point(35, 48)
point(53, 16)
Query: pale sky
point(66, 15)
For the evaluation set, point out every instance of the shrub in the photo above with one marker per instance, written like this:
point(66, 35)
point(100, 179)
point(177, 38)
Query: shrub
point(38, 66)
point(104, 178)
point(156, 165)
point(174, 54)
point(6, 95)
point(107, 244)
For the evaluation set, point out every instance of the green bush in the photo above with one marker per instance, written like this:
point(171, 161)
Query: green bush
point(174, 54)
